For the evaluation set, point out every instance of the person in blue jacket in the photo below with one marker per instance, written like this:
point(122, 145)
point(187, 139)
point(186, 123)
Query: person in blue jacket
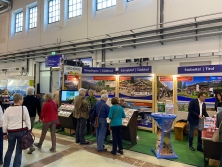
point(116, 113)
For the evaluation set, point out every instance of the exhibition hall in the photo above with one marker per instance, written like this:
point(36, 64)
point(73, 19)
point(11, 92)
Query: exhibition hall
point(116, 83)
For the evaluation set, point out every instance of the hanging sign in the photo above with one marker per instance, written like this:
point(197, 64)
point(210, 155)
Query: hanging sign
point(200, 69)
point(52, 61)
point(129, 70)
point(89, 70)
point(72, 70)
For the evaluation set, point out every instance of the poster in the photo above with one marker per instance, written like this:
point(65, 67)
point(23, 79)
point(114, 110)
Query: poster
point(184, 105)
point(189, 87)
point(99, 83)
point(3, 85)
point(17, 86)
point(209, 127)
point(139, 87)
point(164, 88)
point(71, 82)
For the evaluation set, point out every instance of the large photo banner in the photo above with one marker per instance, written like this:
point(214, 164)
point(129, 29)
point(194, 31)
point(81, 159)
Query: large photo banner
point(18, 86)
point(138, 87)
point(3, 85)
point(188, 87)
point(164, 88)
point(99, 83)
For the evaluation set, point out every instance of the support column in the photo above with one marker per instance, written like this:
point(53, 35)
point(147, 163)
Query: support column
point(103, 54)
point(161, 19)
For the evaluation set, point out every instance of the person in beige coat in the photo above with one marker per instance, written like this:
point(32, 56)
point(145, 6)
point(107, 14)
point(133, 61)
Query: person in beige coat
point(81, 113)
point(56, 97)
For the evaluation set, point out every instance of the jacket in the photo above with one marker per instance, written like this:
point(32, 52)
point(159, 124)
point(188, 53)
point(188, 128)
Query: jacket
point(217, 104)
point(104, 110)
point(116, 113)
point(33, 105)
point(81, 108)
point(92, 101)
point(49, 112)
point(219, 119)
point(194, 111)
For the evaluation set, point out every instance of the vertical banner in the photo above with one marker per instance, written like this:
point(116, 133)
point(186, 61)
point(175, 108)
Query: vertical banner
point(99, 83)
point(71, 77)
point(17, 86)
point(164, 88)
point(138, 87)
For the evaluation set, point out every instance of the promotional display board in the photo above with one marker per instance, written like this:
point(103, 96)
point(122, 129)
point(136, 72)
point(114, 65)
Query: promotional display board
point(71, 77)
point(135, 87)
point(188, 87)
point(99, 83)
point(164, 88)
point(3, 85)
point(18, 86)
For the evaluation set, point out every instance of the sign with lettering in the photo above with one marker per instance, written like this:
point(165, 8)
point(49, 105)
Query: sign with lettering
point(129, 70)
point(200, 69)
point(95, 70)
point(72, 70)
point(52, 61)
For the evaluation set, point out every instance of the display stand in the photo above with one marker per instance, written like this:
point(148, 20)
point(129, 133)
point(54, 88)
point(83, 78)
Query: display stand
point(130, 131)
point(65, 116)
point(163, 148)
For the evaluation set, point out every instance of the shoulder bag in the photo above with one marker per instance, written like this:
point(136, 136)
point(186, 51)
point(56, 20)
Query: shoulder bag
point(96, 122)
point(26, 139)
point(216, 136)
point(113, 117)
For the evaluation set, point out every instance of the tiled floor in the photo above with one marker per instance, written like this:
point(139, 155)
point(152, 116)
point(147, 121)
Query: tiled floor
point(70, 154)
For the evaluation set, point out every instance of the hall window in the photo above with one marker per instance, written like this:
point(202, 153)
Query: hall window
point(75, 8)
point(102, 4)
point(33, 17)
point(54, 11)
point(18, 22)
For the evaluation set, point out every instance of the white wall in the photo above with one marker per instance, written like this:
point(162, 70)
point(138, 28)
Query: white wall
point(124, 16)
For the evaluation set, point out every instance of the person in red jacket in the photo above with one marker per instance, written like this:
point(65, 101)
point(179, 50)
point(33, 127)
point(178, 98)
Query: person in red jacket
point(49, 117)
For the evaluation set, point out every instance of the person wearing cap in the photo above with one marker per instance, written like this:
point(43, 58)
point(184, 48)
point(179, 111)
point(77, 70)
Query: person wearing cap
point(81, 113)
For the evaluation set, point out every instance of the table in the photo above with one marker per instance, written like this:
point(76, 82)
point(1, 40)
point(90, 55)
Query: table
point(163, 148)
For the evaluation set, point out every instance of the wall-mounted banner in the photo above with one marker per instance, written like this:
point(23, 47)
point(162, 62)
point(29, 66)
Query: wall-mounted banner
point(52, 61)
point(200, 69)
point(3, 85)
point(189, 87)
point(139, 87)
point(72, 70)
point(17, 86)
point(89, 70)
point(129, 70)
point(99, 83)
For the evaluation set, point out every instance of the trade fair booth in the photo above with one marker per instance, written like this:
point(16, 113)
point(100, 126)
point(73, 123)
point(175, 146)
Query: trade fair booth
point(153, 100)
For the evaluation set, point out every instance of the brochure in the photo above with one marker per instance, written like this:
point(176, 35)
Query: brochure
point(169, 108)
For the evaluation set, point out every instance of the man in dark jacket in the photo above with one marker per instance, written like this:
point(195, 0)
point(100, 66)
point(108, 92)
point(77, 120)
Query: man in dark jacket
point(219, 121)
point(33, 106)
point(196, 109)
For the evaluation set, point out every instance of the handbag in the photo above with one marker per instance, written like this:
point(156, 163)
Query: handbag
point(96, 122)
point(216, 136)
point(27, 139)
point(113, 117)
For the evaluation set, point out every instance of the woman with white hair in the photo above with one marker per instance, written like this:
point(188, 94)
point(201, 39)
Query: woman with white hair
point(101, 111)
point(33, 106)
point(49, 117)
point(81, 113)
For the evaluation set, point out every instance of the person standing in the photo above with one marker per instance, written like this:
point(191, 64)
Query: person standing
point(101, 111)
point(218, 122)
point(196, 109)
point(81, 113)
point(6, 98)
point(91, 99)
point(12, 129)
point(218, 102)
point(33, 106)
point(1, 136)
point(123, 104)
point(49, 117)
point(116, 114)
